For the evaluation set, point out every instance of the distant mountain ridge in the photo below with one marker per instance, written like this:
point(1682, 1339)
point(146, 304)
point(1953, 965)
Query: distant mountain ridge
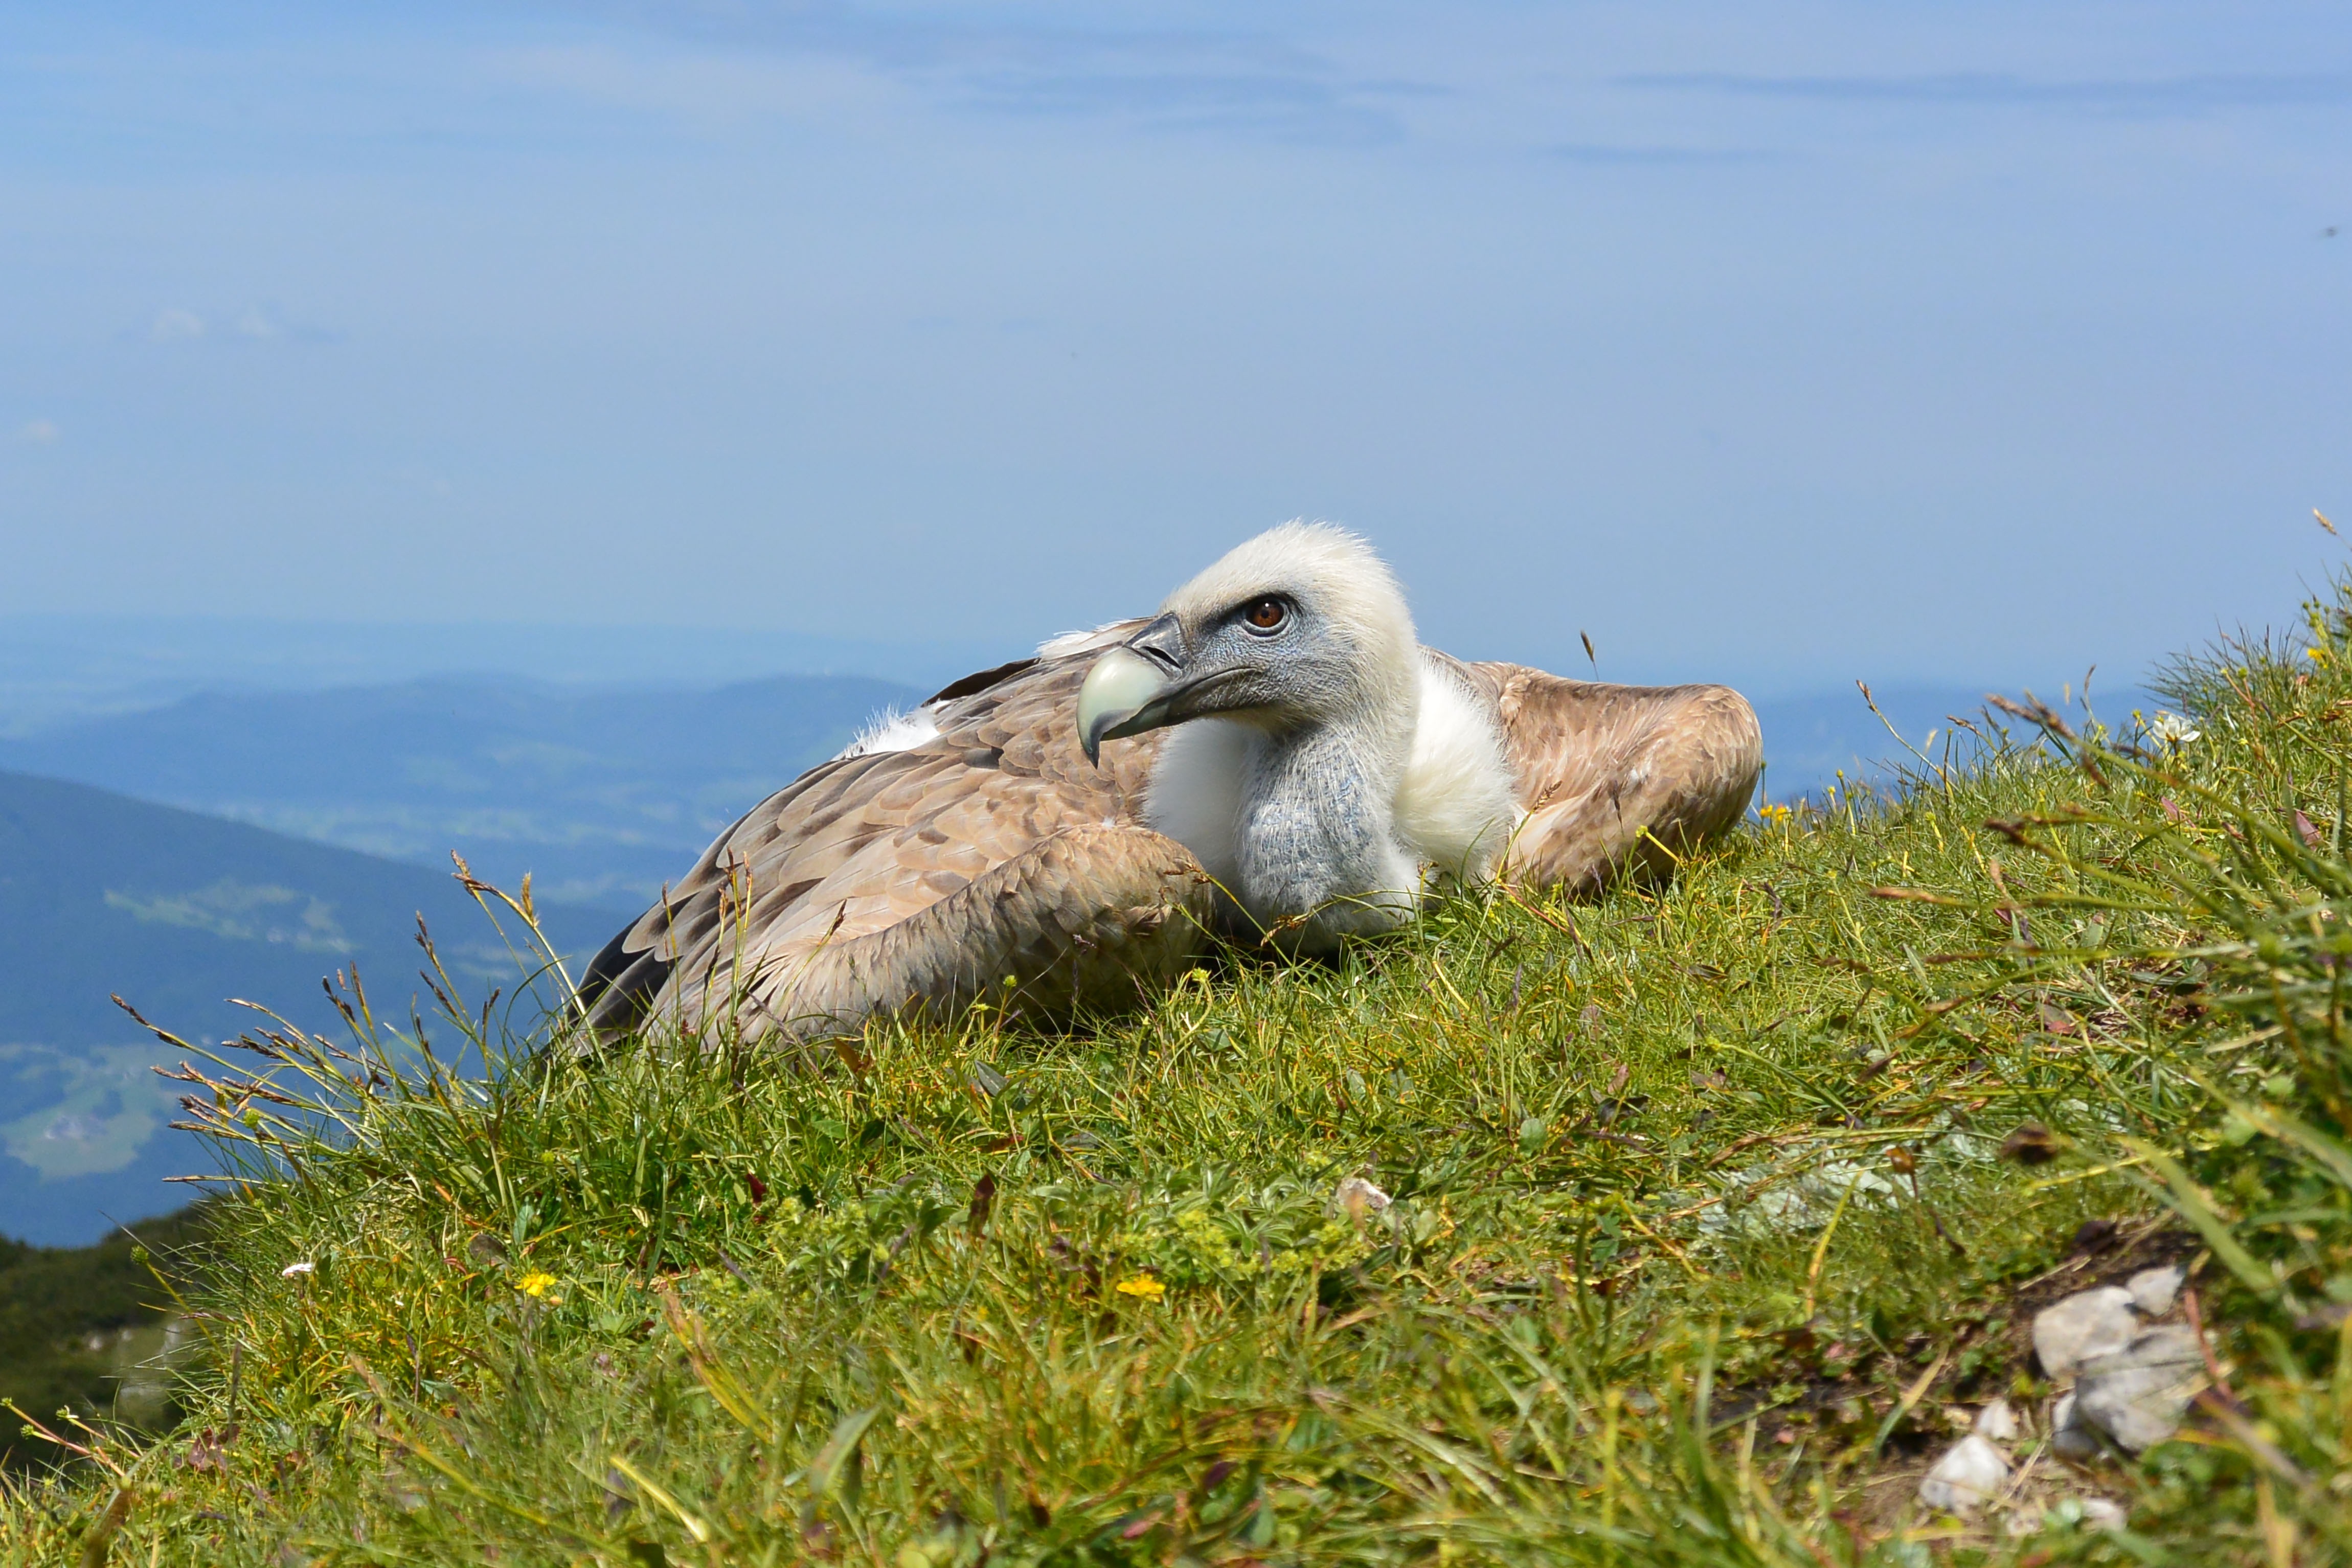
point(606, 793)
point(178, 912)
point(60, 668)
point(603, 793)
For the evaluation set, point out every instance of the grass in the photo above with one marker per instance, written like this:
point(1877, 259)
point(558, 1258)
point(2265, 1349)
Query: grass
point(1702, 1237)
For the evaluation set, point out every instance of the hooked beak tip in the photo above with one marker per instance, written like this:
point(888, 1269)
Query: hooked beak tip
point(1122, 695)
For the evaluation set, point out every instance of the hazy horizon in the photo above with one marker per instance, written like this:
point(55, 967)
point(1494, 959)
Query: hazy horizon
point(57, 668)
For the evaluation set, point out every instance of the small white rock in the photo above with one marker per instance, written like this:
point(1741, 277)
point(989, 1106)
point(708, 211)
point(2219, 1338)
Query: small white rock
point(2136, 1395)
point(1997, 1422)
point(2088, 1323)
point(2105, 1512)
point(2153, 1291)
point(1358, 1198)
point(1968, 1476)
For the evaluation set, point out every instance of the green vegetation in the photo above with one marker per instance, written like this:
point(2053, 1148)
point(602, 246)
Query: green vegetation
point(1701, 1231)
point(77, 1325)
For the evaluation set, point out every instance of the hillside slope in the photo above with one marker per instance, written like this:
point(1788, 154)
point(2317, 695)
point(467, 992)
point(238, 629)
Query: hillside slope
point(90, 1327)
point(100, 894)
point(1686, 1227)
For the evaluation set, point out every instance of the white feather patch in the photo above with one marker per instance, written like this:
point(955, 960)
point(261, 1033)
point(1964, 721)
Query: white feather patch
point(1455, 807)
point(1195, 796)
point(1069, 642)
point(891, 730)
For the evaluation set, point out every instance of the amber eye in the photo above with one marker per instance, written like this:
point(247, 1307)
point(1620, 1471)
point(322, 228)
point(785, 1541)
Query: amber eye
point(1267, 614)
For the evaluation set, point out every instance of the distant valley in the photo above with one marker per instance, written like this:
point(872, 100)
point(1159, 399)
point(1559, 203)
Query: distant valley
point(177, 911)
point(1810, 739)
point(603, 793)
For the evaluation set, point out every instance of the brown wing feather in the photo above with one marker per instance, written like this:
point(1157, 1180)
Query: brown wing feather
point(1609, 773)
point(1090, 919)
point(909, 878)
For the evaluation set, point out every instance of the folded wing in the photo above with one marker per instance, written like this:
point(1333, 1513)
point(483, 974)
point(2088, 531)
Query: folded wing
point(920, 879)
point(1617, 779)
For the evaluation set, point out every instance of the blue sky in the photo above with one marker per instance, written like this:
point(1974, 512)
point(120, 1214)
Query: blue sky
point(1781, 343)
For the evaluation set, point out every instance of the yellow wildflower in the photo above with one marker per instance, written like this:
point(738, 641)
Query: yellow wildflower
point(1774, 814)
point(1142, 1285)
point(534, 1285)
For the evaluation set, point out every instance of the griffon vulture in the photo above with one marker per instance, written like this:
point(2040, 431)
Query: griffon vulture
point(1274, 756)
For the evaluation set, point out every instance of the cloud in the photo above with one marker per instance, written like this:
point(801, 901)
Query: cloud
point(40, 433)
point(2178, 95)
point(258, 324)
point(1283, 104)
point(254, 324)
point(1606, 155)
point(1166, 78)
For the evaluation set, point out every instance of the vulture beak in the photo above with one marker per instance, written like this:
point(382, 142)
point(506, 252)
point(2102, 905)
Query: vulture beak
point(1142, 683)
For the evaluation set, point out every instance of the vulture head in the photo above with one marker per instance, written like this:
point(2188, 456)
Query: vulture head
point(1322, 767)
point(1294, 631)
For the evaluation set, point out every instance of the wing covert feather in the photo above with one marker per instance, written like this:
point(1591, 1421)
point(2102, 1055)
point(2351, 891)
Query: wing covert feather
point(1604, 769)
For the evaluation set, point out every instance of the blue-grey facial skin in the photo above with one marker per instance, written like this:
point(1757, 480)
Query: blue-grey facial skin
point(1291, 676)
point(1222, 667)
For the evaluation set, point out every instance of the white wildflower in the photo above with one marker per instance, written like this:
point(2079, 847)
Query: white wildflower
point(2172, 730)
point(291, 1269)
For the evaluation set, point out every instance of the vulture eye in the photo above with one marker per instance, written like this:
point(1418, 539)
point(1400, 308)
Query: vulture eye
point(1267, 614)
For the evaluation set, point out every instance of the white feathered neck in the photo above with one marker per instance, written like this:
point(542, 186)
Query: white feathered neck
point(1452, 810)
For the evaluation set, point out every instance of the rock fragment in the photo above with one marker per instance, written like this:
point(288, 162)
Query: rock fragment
point(2135, 1395)
point(2085, 1324)
point(2068, 1512)
point(1970, 1475)
point(2069, 1438)
point(2153, 1291)
point(2105, 1512)
point(1997, 1422)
